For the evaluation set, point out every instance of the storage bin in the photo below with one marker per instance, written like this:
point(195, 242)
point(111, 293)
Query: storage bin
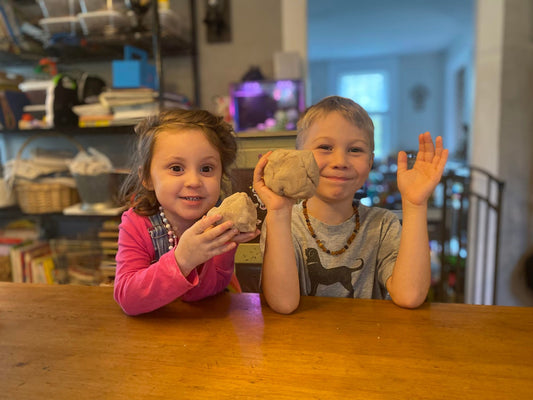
point(134, 71)
point(59, 8)
point(43, 198)
point(67, 24)
point(94, 191)
point(106, 22)
point(88, 6)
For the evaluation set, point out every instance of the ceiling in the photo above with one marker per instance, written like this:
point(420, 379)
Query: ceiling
point(366, 28)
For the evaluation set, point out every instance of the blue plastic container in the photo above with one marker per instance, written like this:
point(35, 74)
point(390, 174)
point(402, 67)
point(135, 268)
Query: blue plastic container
point(134, 71)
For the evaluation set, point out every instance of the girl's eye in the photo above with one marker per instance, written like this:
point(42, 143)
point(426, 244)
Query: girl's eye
point(325, 147)
point(206, 169)
point(177, 168)
point(356, 150)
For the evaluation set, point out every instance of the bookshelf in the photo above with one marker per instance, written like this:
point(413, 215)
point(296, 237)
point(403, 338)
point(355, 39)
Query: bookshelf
point(81, 229)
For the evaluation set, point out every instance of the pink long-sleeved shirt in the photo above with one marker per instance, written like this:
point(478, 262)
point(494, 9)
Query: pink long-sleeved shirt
point(142, 286)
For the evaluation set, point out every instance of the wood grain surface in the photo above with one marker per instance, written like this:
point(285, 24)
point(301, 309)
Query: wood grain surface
point(74, 342)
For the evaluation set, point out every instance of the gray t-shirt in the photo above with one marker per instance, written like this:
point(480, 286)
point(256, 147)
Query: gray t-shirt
point(362, 270)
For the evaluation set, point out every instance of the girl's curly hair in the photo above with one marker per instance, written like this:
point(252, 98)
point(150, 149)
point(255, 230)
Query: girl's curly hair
point(218, 132)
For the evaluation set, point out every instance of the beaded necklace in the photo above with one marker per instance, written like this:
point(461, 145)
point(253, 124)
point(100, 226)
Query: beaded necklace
point(172, 238)
point(320, 243)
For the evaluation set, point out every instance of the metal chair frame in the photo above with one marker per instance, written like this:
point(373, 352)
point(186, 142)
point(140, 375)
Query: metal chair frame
point(472, 218)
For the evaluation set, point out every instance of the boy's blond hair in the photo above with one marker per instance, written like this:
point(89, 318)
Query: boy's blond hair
point(348, 108)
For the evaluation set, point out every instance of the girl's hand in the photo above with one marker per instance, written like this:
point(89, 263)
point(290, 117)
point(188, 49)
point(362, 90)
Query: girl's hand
point(245, 236)
point(204, 240)
point(417, 184)
point(271, 200)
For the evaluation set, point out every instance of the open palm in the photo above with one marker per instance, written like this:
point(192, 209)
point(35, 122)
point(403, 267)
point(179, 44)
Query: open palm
point(417, 184)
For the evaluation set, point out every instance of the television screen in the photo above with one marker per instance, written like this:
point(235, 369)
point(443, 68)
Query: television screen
point(266, 105)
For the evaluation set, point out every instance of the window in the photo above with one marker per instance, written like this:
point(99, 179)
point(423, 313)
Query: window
point(370, 89)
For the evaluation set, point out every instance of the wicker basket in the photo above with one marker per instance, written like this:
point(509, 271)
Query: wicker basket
point(43, 198)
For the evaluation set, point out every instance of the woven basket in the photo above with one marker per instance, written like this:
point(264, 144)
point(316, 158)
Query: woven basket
point(43, 198)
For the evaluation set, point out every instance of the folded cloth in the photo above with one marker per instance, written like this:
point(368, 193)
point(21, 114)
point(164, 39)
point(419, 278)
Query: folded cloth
point(31, 169)
point(90, 162)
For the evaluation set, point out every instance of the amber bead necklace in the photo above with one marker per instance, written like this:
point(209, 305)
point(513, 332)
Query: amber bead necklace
point(320, 243)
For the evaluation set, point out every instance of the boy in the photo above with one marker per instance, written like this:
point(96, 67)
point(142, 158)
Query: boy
point(327, 246)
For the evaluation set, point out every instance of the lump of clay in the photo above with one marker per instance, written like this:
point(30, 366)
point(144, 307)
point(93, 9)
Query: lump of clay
point(240, 209)
point(292, 173)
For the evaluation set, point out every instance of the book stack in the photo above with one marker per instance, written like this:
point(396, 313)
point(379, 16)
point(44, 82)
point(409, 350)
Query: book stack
point(77, 261)
point(108, 237)
point(32, 262)
point(126, 107)
point(13, 239)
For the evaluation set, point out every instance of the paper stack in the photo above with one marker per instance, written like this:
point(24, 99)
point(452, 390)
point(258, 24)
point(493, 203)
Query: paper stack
point(126, 106)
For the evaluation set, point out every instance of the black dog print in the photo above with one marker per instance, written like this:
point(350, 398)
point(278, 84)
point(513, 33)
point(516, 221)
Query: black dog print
point(320, 275)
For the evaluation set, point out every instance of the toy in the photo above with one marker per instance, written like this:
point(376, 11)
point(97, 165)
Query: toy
point(240, 209)
point(292, 173)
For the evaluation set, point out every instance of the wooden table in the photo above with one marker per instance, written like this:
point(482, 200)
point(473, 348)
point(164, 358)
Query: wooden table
point(74, 342)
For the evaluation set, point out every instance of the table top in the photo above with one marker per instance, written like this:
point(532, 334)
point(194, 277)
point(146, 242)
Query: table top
point(75, 342)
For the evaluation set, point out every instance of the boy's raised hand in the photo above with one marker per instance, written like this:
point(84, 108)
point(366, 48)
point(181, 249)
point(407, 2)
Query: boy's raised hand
point(417, 184)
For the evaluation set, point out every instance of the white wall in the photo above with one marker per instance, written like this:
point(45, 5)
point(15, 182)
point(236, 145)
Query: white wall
point(458, 56)
point(427, 70)
point(256, 36)
point(409, 70)
point(503, 126)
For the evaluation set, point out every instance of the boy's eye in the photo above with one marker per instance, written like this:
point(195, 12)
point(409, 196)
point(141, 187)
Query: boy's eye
point(356, 150)
point(325, 147)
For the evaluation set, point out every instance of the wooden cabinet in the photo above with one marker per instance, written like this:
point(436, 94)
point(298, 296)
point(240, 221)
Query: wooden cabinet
point(254, 143)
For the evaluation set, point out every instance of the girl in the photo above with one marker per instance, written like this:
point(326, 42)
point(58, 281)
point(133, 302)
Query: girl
point(167, 249)
point(334, 247)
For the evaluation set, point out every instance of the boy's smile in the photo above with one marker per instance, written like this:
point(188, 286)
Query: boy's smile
point(342, 152)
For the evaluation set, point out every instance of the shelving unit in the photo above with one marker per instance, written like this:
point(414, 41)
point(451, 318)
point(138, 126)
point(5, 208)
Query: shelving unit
point(90, 49)
point(98, 48)
point(55, 225)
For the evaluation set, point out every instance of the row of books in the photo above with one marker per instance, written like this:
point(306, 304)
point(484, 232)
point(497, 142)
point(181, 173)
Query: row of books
point(60, 261)
point(32, 262)
point(108, 238)
point(126, 106)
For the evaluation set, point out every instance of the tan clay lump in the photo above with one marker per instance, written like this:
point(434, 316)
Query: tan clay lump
point(240, 209)
point(292, 173)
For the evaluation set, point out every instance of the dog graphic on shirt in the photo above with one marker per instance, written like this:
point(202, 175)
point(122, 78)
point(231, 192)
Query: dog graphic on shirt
point(324, 276)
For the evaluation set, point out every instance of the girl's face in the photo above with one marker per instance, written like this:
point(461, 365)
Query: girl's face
point(342, 152)
point(185, 173)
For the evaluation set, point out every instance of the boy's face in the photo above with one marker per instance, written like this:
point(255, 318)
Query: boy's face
point(342, 152)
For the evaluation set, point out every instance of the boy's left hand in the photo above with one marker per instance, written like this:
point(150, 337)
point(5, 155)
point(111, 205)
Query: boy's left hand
point(417, 184)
